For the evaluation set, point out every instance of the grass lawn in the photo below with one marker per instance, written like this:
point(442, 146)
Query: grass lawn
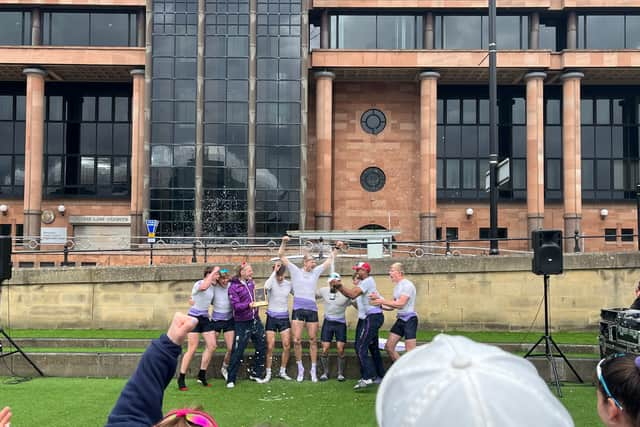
point(87, 402)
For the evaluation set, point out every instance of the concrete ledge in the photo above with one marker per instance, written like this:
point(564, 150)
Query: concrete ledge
point(123, 365)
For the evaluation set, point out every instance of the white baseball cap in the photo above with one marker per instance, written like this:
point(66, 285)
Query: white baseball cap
point(454, 381)
point(332, 277)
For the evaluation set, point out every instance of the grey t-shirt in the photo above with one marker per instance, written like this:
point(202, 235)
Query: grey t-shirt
point(368, 287)
point(405, 287)
point(334, 309)
point(304, 286)
point(201, 299)
point(278, 294)
point(221, 304)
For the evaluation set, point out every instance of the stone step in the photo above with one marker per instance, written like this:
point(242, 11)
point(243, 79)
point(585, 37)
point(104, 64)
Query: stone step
point(123, 364)
point(143, 343)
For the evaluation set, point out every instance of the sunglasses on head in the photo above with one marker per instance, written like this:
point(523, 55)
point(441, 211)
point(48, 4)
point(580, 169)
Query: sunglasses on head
point(601, 377)
point(193, 416)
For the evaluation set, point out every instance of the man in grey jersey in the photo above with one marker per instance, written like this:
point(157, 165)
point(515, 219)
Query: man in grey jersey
point(404, 300)
point(334, 324)
point(278, 290)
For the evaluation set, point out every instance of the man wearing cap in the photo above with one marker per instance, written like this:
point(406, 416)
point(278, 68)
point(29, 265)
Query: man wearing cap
point(334, 324)
point(370, 319)
point(304, 282)
point(404, 300)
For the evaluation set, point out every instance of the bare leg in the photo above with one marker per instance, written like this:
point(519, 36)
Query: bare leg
point(390, 346)
point(271, 342)
point(192, 345)
point(340, 346)
point(211, 345)
point(228, 341)
point(312, 330)
point(410, 344)
point(296, 330)
point(285, 337)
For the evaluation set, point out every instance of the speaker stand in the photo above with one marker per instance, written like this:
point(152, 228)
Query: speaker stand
point(16, 347)
point(549, 343)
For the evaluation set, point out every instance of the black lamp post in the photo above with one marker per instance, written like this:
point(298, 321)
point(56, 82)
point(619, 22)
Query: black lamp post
point(493, 133)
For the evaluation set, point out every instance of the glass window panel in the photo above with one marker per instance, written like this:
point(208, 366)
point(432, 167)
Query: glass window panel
point(68, 29)
point(215, 90)
point(88, 108)
point(105, 138)
point(617, 105)
point(110, 29)
point(603, 116)
point(87, 170)
point(289, 90)
point(603, 174)
point(161, 155)
point(519, 141)
point(519, 170)
point(54, 170)
point(289, 47)
point(484, 110)
point(553, 112)
point(612, 38)
point(21, 109)
point(104, 171)
point(185, 111)
point(483, 141)
point(469, 174)
point(88, 138)
point(267, 90)
point(121, 109)
point(453, 173)
point(587, 174)
point(121, 138)
point(12, 28)
point(18, 170)
point(508, 32)
point(461, 32)
point(162, 89)
point(588, 141)
point(238, 90)
point(237, 112)
point(289, 69)
point(186, 46)
point(238, 46)
point(453, 111)
point(104, 108)
point(617, 141)
point(356, 32)
point(268, 46)
point(469, 111)
point(440, 111)
point(184, 134)
point(554, 174)
point(469, 141)
point(396, 32)
point(6, 106)
point(618, 175)
point(238, 68)
point(162, 68)
point(632, 28)
point(518, 111)
point(18, 137)
point(440, 173)
point(553, 141)
point(5, 171)
point(185, 68)
point(185, 89)
point(586, 111)
point(184, 155)
point(603, 141)
point(547, 37)
point(452, 141)
point(6, 136)
point(121, 170)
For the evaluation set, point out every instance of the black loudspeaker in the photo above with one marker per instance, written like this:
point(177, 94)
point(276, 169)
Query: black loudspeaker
point(5, 258)
point(547, 252)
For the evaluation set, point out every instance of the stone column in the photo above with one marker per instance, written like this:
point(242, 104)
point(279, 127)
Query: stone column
point(137, 156)
point(535, 151)
point(534, 31)
point(34, 147)
point(571, 155)
point(428, 36)
point(572, 30)
point(428, 142)
point(324, 159)
point(324, 30)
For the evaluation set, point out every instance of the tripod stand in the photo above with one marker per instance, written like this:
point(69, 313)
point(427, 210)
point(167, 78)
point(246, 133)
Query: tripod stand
point(548, 342)
point(17, 348)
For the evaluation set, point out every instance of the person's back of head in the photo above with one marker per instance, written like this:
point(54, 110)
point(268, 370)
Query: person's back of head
point(619, 390)
point(454, 381)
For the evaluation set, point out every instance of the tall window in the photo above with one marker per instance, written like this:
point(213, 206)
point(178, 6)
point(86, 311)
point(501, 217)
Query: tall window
point(553, 144)
point(472, 32)
point(15, 28)
point(551, 33)
point(87, 141)
point(463, 142)
point(610, 127)
point(12, 117)
point(89, 28)
point(622, 32)
point(376, 32)
point(278, 117)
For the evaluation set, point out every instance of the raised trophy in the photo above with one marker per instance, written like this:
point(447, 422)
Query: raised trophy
point(260, 297)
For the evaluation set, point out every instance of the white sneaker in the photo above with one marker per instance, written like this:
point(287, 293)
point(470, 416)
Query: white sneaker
point(224, 373)
point(266, 379)
point(324, 377)
point(362, 384)
point(284, 376)
point(341, 377)
point(314, 377)
point(300, 377)
point(230, 385)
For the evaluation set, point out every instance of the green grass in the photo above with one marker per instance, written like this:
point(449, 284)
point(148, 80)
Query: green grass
point(87, 402)
point(564, 337)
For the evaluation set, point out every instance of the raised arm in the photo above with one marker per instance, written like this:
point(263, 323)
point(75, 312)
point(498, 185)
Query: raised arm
point(210, 278)
point(283, 245)
point(332, 256)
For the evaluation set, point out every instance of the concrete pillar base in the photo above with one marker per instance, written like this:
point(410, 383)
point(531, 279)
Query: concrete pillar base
point(572, 223)
point(324, 221)
point(428, 227)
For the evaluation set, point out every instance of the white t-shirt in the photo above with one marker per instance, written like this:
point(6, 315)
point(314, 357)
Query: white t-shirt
point(405, 287)
point(368, 287)
point(304, 283)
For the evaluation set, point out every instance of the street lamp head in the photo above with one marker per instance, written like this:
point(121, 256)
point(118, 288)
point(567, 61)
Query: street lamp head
point(604, 213)
point(4, 209)
point(61, 210)
point(469, 213)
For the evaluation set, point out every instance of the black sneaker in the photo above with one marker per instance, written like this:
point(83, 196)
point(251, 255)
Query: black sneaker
point(203, 380)
point(181, 385)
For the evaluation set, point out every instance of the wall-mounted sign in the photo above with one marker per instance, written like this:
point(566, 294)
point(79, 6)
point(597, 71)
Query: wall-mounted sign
point(99, 219)
point(53, 235)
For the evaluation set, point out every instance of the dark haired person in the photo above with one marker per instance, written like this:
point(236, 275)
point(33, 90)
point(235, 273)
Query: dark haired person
point(618, 390)
point(304, 282)
point(370, 319)
point(201, 294)
point(222, 317)
point(248, 325)
point(278, 291)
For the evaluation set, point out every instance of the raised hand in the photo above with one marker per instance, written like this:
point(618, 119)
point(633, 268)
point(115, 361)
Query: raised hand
point(180, 326)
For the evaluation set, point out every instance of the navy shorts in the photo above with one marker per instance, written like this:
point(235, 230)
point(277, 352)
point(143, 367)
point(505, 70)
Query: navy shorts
point(406, 329)
point(304, 315)
point(331, 328)
point(224, 325)
point(277, 325)
point(204, 324)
